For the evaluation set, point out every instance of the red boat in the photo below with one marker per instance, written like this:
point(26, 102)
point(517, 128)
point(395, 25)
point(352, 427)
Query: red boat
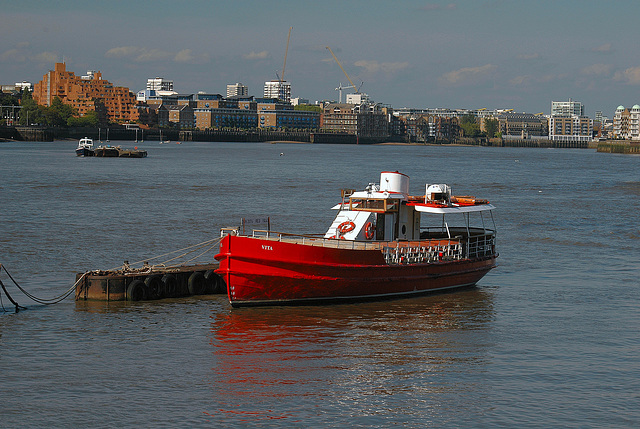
point(377, 247)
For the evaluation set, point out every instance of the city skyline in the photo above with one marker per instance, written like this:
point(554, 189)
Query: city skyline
point(415, 54)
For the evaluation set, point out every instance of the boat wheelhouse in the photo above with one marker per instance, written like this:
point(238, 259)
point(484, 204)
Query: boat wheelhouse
point(382, 243)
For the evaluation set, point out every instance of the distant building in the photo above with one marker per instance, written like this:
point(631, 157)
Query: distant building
point(568, 123)
point(362, 120)
point(212, 111)
point(273, 113)
point(626, 123)
point(436, 128)
point(208, 118)
point(358, 98)
point(280, 90)
point(16, 87)
point(237, 89)
point(298, 101)
point(599, 117)
point(397, 127)
point(86, 93)
point(213, 101)
point(567, 108)
point(160, 84)
point(522, 125)
point(570, 128)
point(215, 111)
point(180, 116)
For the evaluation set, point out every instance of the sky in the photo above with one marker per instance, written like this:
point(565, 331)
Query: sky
point(494, 54)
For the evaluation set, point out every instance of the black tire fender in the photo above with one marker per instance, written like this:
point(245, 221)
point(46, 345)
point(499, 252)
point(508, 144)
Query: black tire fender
point(196, 283)
point(155, 287)
point(170, 285)
point(213, 282)
point(137, 291)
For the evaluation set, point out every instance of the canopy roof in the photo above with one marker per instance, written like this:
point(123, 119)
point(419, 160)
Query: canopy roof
point(433, 208)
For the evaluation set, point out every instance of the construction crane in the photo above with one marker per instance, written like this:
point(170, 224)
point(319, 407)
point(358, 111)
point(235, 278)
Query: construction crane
point(340, 88)
point(345, 73)
point(281, 78)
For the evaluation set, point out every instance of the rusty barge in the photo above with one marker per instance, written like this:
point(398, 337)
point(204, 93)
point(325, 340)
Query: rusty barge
point(137, 285)
point(141, 281)
point(157, 283)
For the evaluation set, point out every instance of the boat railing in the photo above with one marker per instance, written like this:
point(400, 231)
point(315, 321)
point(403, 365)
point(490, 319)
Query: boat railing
point(423, 252)
point(477, 242)
point(479, 246)
point(427, 250)
point(397, 252)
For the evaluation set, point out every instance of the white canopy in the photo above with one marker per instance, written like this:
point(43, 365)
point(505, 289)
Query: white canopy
point(452, 209)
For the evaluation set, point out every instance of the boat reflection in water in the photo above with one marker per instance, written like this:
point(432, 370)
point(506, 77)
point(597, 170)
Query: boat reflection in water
point(278, 363)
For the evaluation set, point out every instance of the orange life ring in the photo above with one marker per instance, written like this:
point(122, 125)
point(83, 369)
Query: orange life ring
point(346, 226)
point(369, 231)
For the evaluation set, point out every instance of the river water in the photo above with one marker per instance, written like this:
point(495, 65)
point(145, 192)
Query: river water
point(550, 338)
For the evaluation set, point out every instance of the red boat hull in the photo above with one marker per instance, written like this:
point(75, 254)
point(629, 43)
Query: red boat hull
point(266, 272)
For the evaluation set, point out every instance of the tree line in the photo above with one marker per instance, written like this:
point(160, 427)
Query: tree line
point(471, 128)
point(56, 115)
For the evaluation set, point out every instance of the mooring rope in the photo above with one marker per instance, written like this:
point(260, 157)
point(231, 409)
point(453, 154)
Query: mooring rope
point(209, 245)
point(44, 301)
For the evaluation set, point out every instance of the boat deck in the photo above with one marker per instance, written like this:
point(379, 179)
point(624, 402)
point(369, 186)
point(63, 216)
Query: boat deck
point(428, 250)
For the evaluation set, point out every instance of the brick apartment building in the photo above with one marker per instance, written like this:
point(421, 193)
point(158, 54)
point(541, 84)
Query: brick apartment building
point(86, 93)
point(360, 119)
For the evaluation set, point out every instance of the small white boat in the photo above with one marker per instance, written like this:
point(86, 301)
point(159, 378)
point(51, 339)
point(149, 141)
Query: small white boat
point(85, 147)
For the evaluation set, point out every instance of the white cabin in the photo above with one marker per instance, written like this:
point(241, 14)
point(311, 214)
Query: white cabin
point(386, 212)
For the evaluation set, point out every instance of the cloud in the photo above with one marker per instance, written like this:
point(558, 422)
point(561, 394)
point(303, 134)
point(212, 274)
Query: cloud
point(606, 48)
point(521, 80)
point(467, 75)
point(122, 51)
point(375, 66)
point(630, 76)
point(184, 56)
point(145, 55)
point(46, 57)
point(149, 55)
point(256, 55)
point(187, 56)
point(597, 70)
point(21, 53)
point(19, 56)
point(13, 55)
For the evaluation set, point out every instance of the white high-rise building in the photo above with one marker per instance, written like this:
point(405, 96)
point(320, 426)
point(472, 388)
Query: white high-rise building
point(278, 89)
point(567, 108)
point(237, 89)
point(160, 84)
point(358, 98)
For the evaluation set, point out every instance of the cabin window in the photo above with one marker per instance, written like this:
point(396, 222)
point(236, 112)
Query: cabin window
point(373, 205)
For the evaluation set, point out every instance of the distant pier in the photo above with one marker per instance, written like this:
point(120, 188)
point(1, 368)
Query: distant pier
point(616, 146)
